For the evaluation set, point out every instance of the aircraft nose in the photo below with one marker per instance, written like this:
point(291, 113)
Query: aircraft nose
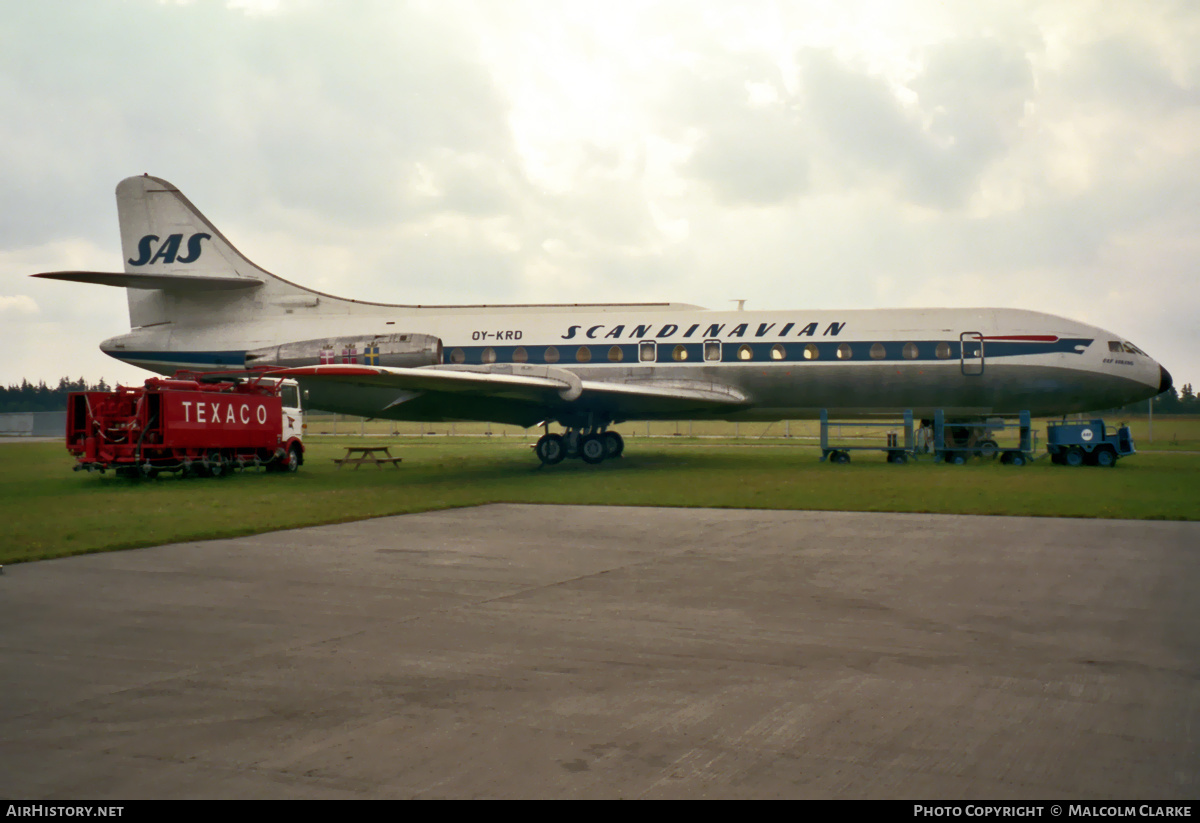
point(1164, 380)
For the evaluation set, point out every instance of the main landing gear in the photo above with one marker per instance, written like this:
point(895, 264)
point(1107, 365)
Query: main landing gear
point(591, 447)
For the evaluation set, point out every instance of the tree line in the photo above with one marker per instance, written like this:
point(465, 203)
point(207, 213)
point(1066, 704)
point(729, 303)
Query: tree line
point(28, 397)
point(1172, 401)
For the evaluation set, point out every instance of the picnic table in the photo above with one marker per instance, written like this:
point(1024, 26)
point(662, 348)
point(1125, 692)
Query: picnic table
point(370, 455)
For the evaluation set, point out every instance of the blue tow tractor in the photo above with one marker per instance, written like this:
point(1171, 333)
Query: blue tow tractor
point(1089, 442)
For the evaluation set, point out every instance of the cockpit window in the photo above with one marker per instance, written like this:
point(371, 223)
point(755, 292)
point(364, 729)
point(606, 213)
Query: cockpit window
point(1115, 345)
point(1132, 349)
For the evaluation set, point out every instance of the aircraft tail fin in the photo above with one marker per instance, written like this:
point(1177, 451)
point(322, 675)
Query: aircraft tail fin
point(162, 233)
point(173, 257)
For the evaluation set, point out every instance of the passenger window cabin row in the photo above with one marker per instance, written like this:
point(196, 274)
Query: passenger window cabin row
point(712, 351)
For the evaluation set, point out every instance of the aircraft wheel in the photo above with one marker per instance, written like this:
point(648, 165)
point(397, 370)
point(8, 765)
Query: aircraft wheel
point(1106, 458)
point(216, 463)
point(293, 459)
point(592, 448)
point(1074, 457)
point(550, 449)
point(614, 444)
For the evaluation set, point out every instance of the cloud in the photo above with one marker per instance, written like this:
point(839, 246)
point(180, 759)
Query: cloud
point(17, 304)
point(1035, 154)
point(746, 144)
point(329, 112)
point(929, 141)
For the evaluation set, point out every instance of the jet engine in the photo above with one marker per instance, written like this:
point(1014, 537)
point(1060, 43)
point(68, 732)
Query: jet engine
point(397, 350)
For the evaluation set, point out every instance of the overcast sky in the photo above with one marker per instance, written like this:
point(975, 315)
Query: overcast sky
point(807, 155)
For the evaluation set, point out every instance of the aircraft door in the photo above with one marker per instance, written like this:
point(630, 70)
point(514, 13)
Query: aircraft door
point(971, 347)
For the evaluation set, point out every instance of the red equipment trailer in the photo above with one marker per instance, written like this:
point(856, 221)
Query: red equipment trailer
point(183, 424)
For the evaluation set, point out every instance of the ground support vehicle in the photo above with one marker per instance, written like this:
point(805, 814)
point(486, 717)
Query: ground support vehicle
point(839, 452)
point(192, 423)
point(1011, 440)
point(1087, 442)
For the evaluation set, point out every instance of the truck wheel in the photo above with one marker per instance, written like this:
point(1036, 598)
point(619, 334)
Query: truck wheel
point(1074, 457)
point(1016, 459)
point(987, 449)
point(1106, 458)
point(293, 459)
point(216, 463)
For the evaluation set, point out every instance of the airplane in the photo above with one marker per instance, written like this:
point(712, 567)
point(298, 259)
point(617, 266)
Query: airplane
point(196, 303)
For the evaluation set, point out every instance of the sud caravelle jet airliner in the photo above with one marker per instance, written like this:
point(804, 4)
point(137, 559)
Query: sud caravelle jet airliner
point(197, 303)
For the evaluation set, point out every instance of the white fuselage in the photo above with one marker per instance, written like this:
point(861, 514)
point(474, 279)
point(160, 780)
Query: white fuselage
point(790, 364)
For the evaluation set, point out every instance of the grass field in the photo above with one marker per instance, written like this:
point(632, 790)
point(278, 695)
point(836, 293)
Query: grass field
point(50, 511)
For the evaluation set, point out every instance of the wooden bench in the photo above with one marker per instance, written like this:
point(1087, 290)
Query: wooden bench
point(370, 455)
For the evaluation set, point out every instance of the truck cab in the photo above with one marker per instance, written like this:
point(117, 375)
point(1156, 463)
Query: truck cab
point(293, 424)
point(293, 411)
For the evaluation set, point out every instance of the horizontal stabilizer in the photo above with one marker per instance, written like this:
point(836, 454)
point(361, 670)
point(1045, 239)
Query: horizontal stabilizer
point(166, 282)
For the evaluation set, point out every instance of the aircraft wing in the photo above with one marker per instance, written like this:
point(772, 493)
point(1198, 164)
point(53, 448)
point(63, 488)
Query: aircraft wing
point(538, 390)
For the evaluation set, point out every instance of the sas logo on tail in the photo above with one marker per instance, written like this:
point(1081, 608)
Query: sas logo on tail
point(168, 250)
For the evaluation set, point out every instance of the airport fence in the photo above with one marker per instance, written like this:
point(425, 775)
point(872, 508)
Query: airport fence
point(33, 424)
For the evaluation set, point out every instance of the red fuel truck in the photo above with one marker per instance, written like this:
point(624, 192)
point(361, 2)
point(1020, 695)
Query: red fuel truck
point(191, 423)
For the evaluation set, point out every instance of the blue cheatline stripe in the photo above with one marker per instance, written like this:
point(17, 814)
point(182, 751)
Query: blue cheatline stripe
point(223, 359)
point(599, 355)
